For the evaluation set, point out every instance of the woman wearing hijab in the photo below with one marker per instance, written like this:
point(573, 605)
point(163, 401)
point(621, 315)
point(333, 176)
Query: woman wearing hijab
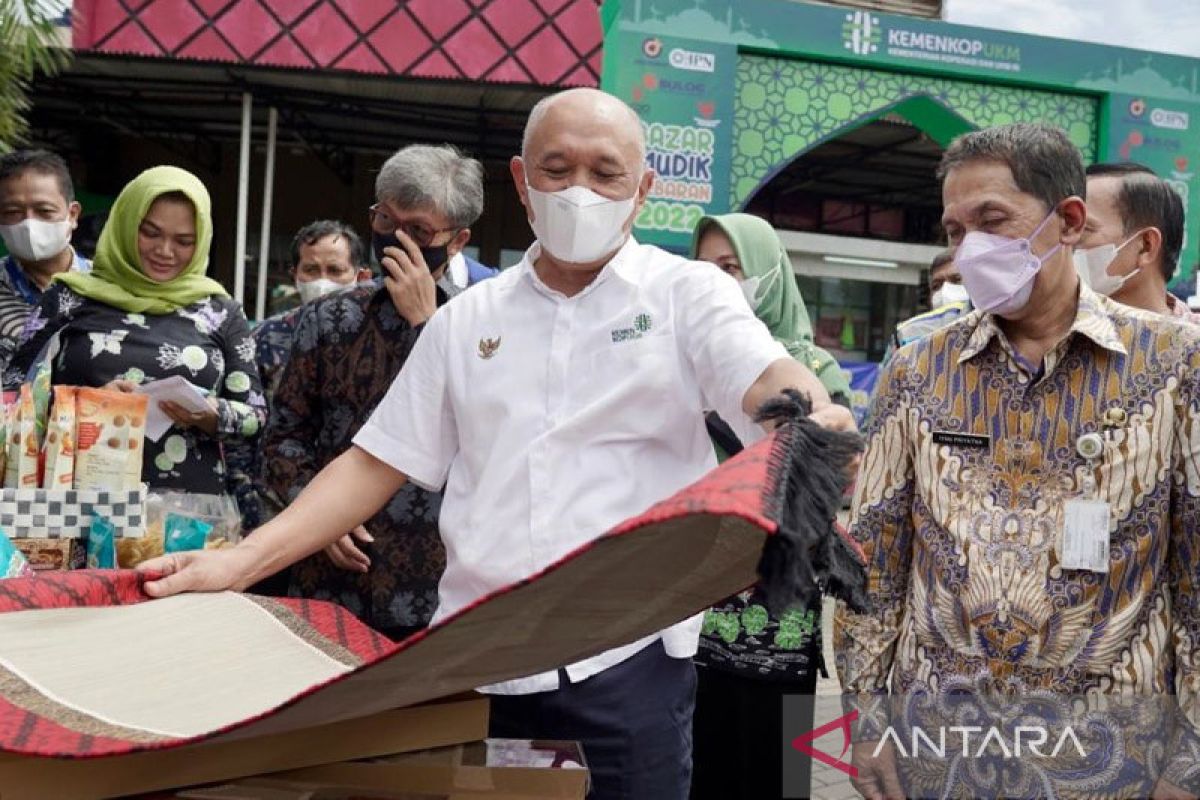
point(147, 311)
point(749, 659)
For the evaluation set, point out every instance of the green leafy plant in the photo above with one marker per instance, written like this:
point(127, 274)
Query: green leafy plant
point(29, 45)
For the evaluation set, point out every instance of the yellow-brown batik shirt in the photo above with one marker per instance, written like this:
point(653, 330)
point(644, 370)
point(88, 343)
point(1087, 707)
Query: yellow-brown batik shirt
point(963, 540)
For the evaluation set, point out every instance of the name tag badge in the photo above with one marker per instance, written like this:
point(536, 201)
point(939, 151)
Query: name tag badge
point(1085, 535)
point(954, 439)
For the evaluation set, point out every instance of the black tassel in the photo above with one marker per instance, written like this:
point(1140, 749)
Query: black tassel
point(811, 471)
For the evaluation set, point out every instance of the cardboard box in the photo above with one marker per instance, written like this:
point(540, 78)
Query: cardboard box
point(277, 789)
point(271, 789)
point(56, 555)
point(456, 720)
point(498, 767)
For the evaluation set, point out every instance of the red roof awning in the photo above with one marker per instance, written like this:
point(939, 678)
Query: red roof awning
point(539, 42)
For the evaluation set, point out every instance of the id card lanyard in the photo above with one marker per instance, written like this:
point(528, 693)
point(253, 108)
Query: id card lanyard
point(1086, 519)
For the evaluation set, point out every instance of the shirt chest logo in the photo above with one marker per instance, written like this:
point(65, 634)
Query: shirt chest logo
point(642, 324)
point(488, 347)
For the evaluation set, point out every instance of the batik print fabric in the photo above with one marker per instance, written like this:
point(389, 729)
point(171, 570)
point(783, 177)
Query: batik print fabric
point(19, 296)
point(243, 458)
point(208, 343)
point(964, 542)
point(742, 637)
point(348, 348)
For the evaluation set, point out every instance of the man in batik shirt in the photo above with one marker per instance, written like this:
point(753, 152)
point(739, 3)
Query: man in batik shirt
point(348, 349)
point(1029, 500)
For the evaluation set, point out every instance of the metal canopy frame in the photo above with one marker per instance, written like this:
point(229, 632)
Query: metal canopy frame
point(194, 108)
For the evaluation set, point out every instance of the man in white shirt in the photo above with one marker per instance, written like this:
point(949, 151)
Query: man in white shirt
point(553, 402)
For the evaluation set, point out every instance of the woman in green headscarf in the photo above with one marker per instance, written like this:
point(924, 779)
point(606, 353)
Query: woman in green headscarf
point(749, 659)
point(147, 311)
point(747, 247)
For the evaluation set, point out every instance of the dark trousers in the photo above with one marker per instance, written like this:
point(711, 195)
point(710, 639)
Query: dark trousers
point(739, 736)
point(634, 720)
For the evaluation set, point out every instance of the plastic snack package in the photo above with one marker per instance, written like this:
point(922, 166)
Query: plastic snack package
point(41, 391)
point(59, 447)
point(101, 544)
point(12, 443)
point(220, 511)
point(13, 563)
point(131, 552)
point(110, 438)
point(21, 467)
point(184, 533)
point(4, 413)
point(52, 555)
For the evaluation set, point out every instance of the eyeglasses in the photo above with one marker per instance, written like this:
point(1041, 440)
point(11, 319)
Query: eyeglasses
point(382, 222)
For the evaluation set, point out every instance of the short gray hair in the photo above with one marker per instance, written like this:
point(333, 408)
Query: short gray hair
point(1043, 161)
point(436, 177)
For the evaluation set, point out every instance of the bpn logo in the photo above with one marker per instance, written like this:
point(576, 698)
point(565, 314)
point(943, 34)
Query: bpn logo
point(861, 33)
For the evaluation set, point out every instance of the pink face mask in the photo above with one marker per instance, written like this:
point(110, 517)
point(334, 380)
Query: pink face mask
point(998, 271)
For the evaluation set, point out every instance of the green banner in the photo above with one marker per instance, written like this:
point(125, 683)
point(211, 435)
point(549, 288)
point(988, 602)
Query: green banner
point(683, 91)
point(714, 74)
point(791, 27)
point(1162, 135)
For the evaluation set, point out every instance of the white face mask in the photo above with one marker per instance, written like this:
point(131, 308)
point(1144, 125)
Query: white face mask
point(36, 239)
point(578, 226)
point(755, 289)
point(1092, 265)
point(311, 290)
point(949, 293)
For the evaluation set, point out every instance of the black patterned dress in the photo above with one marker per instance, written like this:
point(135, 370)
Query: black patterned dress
point(208, 343)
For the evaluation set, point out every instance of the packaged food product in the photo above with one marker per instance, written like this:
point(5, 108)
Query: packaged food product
point(184, 533)
point(218, 511)
point(13, 563)
point(41, 391)
point(3, 440)
point(131, 552)
point(21, 469)
point(110, 436)
point(47, 555)
point(101, 544)
point(12, 443)
point(59, 472)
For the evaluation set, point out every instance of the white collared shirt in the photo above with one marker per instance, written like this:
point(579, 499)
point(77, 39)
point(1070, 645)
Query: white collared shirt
point(550, 419)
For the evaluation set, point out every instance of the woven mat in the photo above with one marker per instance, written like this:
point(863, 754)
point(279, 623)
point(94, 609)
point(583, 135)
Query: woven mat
point(91, 668)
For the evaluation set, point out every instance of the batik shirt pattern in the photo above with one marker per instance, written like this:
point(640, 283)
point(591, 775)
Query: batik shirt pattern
point(19, 296)
point(272, 345)
point(348, 349)
point(207, 342)
point(963, 542)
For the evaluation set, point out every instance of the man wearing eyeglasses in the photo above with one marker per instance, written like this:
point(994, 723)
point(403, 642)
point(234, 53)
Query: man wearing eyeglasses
point(348, 347)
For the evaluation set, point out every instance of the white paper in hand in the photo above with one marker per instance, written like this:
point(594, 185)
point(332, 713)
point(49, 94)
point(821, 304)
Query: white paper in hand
point(175, 389)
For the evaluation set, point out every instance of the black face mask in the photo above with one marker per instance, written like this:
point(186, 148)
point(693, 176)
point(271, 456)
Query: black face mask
point(435, 257)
